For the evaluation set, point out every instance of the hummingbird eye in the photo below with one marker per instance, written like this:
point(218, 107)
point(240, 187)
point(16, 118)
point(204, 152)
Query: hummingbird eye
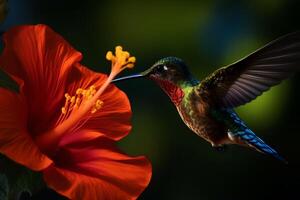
point(161, 68)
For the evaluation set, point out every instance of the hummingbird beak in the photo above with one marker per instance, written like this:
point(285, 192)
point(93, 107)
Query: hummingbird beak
point(134, 76)
point(128, 77)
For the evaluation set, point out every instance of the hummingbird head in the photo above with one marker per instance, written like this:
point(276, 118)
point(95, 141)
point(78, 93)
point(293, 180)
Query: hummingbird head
point(170, 69)
point(170, 73)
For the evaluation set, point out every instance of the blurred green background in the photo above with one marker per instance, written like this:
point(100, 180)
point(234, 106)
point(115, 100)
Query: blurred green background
point(207, 35)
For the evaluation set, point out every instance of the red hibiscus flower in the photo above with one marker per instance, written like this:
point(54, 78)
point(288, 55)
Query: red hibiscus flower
point(66, 118)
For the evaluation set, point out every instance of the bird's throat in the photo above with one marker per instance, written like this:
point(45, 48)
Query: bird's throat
point(175, 93)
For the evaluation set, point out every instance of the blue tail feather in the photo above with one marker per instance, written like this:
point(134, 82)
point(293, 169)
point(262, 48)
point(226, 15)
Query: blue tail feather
point(251, 139)
point(240, 130)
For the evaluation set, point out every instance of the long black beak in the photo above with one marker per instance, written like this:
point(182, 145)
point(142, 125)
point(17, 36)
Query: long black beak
point(128, 77)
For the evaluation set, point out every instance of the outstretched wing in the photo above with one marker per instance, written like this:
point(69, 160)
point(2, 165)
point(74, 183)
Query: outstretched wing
point(243, 81)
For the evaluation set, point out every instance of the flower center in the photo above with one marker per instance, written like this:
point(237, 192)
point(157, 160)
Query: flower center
point(73, 103)
point(80, 107)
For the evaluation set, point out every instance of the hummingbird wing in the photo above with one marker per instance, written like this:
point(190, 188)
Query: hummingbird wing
point(246, 79)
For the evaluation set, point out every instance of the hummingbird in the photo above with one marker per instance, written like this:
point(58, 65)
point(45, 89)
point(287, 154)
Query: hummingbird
point(207, 106)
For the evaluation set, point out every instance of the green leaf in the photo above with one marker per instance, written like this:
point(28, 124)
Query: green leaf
point(7, 82)
point(4, 189)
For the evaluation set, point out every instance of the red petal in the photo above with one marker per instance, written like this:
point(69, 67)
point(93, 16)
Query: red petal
point(15, 141)
point(113, 119)
point(41, 59)
point(95, 170)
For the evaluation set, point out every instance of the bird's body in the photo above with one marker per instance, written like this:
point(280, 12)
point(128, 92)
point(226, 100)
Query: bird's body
point(218, 126)
point(195, 111)
point(207, 106)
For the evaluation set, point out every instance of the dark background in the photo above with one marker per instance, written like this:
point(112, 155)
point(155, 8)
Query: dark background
point(207, 35)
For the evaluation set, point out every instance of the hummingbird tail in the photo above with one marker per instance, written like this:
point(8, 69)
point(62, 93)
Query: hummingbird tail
point(248, 137)
point(241, 134)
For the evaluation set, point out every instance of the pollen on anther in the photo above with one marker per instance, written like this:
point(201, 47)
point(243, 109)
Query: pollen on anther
point(67, 96)
point(79, 91)
point(73, 99)
point(97, 106)
point(63, 110)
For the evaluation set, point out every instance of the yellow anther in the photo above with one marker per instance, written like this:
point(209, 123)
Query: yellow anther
point(79, 91)
point(98, 104)
point(67, 96)
point(93, 110)
point(77, 102)
point(92, 90)
point(92, 87)
point(63, 110)
point(82, 101)
point(73, 99)
point(87, 93)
